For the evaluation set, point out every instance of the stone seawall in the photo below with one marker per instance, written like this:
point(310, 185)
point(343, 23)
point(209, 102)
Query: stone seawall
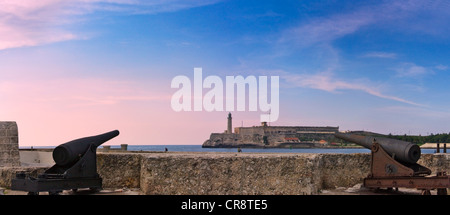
point(232, 173)
point(229, 174)
point(119, 169)
point(241, 173)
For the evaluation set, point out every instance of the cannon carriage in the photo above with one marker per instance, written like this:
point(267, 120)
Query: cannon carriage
point(75, 167)
point(394, 164)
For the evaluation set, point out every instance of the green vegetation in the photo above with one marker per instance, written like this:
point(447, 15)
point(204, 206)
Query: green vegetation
point(433, 138)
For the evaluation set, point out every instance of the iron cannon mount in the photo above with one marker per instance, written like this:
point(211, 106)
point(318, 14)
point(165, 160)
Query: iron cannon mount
point(393, 165)
point(75, 167)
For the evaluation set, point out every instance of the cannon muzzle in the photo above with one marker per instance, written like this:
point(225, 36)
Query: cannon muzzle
point(70, 152)
point(401, 150)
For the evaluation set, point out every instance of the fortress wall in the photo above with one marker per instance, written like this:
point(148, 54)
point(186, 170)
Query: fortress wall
point(30, 157)
point(9, 144)
point(436, 162)
point(251, 130)
point(284, 129)
point(266, 174)
point(232, 173)
point(119, 169)
point(343, 170)
point(302, 128)
point(8, 173)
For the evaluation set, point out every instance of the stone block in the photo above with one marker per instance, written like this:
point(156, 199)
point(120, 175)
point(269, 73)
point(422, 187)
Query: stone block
point(119, 170)
point(9, 144)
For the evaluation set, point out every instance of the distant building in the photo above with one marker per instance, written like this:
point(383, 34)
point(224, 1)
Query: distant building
point(272, 136)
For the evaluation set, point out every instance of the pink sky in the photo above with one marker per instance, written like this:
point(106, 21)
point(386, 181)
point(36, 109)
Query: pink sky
point(55, 111)
point(49, 113)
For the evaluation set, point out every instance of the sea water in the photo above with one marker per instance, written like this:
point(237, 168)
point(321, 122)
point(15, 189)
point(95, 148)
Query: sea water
point(198, 148)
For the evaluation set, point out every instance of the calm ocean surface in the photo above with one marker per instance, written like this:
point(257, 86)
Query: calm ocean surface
point(198, 148)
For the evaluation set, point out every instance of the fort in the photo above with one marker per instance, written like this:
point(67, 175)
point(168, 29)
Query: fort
point(266, 136)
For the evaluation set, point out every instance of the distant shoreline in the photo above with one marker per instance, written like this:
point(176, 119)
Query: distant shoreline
point(286, 147)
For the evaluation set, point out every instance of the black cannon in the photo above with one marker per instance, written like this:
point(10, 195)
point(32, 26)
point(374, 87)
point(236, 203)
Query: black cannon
point(394, 164)
point(75, 167)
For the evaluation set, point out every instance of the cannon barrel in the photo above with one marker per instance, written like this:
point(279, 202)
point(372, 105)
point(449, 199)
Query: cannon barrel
point(70, 152)
point(401, 150)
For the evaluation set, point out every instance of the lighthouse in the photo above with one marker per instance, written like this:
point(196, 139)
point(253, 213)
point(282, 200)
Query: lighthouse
point(229, 124)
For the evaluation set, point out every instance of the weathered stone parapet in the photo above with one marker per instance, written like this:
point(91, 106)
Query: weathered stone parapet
point(235, 174)
point(9, 144)
point(343, 170)
point(218, 174)
point(436, 162)
point(119, 169)
point(264, 174)
point(8, 173)
point(198, 173)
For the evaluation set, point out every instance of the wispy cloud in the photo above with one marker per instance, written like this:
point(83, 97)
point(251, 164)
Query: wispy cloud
point(441, 67)
point(78, 92)
point(381, 55)
point(31, 23)
point(329, 28)
point(327, 82)
point(411, 70)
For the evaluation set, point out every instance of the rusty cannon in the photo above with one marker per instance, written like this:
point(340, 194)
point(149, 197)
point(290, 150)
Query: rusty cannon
point(400, 150)
point(75, 167)
point(394, 164)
